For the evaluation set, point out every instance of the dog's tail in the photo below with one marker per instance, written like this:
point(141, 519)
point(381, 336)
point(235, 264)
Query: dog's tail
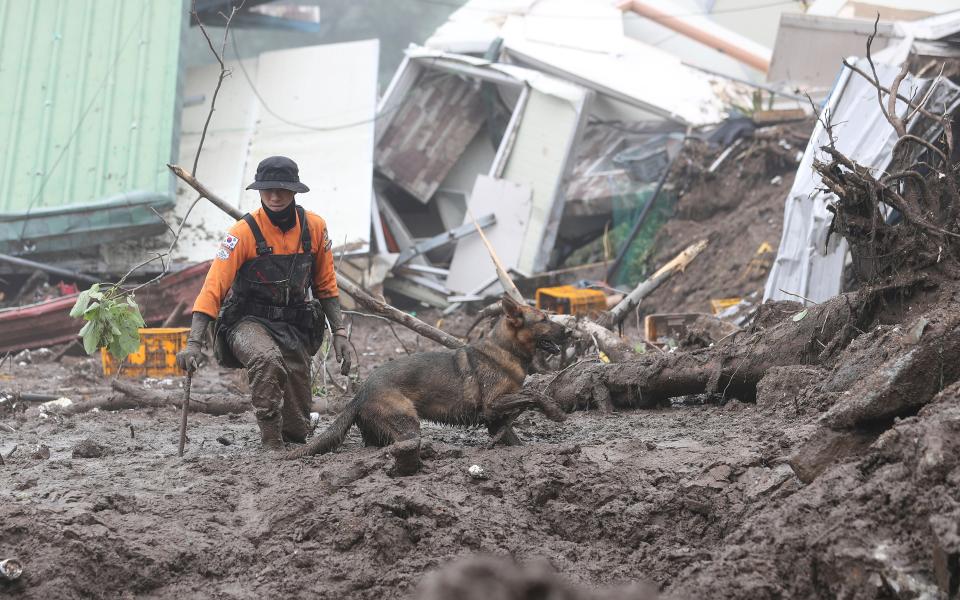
point(333, 435)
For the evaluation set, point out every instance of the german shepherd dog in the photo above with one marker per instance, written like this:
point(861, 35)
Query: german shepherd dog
point(453, 387)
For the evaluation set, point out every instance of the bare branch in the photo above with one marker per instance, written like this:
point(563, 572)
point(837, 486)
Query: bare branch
point(890, 111)
point(164, 221)
point(876, 84)
point(824, 119)
point(899, 125)
point(224, 73)
point(924, 143)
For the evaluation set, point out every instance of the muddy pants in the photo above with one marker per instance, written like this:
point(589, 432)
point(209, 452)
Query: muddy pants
point(279, 380)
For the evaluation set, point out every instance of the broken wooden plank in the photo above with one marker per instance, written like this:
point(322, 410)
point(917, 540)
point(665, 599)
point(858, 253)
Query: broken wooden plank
point(619, 312)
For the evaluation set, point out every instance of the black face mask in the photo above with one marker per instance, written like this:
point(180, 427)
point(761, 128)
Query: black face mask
point(284, 219)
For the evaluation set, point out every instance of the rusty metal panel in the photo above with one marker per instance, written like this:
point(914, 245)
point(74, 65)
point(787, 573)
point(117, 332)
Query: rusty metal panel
point(439, 117)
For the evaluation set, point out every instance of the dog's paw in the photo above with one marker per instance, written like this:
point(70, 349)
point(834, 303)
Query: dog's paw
point(406, 456)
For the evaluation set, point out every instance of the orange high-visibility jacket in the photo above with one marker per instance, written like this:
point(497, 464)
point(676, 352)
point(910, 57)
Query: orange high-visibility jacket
point(239, 246)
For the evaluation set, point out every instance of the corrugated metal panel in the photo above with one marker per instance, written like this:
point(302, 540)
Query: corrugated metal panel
point(439, 118)
point(90, 99)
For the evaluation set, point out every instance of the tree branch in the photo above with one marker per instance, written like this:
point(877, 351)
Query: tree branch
point(876, 84)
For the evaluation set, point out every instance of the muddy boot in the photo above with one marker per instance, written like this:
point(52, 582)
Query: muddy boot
point(406, 455)
point(270, 434)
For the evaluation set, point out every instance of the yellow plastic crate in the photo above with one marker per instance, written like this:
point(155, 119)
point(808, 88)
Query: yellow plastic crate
point(569, 300)
point(156, 357)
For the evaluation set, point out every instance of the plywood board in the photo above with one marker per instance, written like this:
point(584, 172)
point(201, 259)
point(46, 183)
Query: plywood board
point(223, 159)
point(512, 204)
point(325, 97)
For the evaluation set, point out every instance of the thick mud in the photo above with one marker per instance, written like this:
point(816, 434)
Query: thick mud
point(603, 499)
point(690, 501)
point(701, 499)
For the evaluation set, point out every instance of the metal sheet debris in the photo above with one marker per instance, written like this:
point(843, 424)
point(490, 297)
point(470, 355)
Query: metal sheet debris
point(437, 120)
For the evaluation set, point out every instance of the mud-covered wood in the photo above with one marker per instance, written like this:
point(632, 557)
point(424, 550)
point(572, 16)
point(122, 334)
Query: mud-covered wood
point(131, 395)
point(619, 312)
point(730, 369)
point(383, 309)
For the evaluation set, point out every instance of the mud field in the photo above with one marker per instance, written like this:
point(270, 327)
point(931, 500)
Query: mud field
point(696, 499)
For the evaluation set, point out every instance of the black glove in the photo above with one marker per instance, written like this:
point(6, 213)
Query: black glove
point(188, 359)
point(341, 347)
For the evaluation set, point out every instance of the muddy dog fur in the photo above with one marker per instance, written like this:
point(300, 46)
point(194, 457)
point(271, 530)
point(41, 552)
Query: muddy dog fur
point(464, 387)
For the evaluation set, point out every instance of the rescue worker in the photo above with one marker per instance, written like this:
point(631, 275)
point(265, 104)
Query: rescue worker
point(258, 291)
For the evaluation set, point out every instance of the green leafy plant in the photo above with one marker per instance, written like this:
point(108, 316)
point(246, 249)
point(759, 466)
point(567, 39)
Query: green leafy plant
point(112, 318)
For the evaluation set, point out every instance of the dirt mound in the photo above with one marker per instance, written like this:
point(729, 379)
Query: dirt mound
point(608, 500)
point(884, 525)
point(739, 208)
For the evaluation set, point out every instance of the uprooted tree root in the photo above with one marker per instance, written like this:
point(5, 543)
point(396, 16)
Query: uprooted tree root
point(731, 369)
point(926, 239)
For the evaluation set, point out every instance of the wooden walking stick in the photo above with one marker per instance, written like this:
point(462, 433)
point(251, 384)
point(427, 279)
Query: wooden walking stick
point(185, 409)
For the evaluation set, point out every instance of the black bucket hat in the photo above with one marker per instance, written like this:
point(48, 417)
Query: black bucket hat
point(278, 172)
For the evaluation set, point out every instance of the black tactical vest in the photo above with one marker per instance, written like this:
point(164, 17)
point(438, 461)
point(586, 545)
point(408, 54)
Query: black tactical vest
point(275, 290)
point(276, 287)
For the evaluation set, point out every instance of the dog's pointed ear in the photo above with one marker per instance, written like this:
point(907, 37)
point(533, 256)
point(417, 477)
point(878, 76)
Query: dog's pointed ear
point(512, 310)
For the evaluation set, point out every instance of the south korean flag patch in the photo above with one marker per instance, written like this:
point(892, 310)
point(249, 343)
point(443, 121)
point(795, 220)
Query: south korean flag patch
point(227, 246)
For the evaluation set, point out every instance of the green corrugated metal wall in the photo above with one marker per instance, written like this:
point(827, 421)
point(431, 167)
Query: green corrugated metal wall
point(88, 99)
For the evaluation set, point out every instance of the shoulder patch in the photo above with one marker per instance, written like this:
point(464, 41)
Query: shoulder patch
point(230, 241)
point(223, 253)
point(327, 242)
